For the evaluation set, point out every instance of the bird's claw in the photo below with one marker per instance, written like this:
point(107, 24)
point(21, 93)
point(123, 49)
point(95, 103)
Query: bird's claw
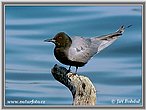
point(74, 73)
point(68, 71)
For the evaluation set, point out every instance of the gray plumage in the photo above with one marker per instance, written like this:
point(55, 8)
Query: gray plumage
point(82, 49)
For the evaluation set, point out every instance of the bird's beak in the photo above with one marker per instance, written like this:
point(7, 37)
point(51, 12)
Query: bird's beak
point(49, 40)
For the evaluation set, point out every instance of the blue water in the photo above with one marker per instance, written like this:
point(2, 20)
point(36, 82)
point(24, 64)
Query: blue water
point(116, 72)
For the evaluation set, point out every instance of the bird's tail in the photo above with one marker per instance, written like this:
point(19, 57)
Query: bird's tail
point(116, 34)
point(108, 39)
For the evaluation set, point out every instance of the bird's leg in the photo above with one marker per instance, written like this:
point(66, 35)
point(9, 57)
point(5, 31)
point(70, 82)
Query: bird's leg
point(69, 69)
point(76, 69)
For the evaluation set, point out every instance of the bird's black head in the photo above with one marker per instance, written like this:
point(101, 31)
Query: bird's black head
point(61, 40)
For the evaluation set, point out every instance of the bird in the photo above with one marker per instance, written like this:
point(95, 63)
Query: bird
point(77, 51)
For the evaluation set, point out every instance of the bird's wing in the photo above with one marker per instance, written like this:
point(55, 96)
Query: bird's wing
point(80, 50)
point(104, 41)
point(83, 49)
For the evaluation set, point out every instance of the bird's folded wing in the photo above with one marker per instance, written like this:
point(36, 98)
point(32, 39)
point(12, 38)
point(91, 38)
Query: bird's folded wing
point(105, 40)
point(80, 50)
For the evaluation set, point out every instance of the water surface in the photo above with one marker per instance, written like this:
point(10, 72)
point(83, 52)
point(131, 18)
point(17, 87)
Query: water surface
point(116, 72)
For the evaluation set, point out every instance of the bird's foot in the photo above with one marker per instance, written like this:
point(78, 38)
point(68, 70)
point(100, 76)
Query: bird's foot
point(68, 71)
point(74, 73)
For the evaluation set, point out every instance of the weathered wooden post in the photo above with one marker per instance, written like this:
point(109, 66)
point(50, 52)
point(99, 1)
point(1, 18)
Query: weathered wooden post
point(82, 89)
